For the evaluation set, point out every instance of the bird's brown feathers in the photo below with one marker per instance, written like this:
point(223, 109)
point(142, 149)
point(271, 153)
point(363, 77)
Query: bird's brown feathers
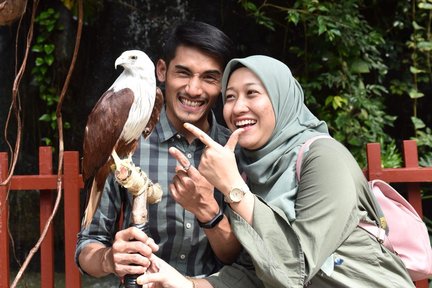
point(154, 118)
point(104, 126)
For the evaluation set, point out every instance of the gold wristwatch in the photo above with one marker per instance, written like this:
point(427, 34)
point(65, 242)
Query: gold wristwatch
point(236, 194)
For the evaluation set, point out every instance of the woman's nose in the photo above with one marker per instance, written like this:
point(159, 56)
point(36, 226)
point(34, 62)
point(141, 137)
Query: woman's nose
point(240, 106)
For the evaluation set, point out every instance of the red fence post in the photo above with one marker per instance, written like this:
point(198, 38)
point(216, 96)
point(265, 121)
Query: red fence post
point(4, 237)
point(72, 184)
point(46, 208)
point(411, 160)
point(373, 154)
point(414, 193)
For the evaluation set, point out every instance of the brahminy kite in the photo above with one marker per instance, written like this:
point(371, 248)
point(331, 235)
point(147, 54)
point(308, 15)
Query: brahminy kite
point(129, 108)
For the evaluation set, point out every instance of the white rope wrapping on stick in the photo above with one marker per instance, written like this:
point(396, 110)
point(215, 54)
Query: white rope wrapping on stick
point(137, 182)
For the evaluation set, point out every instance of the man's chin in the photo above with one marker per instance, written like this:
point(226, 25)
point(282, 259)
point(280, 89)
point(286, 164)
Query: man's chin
point(195, 116)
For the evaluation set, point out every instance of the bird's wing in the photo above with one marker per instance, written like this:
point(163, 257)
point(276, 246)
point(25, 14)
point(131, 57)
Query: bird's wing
point(104, 126)
point(154, 118)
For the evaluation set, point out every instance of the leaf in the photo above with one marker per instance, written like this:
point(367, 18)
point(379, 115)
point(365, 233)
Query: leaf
point(425, 46)
point(293, 17)
point(416, 26)
point(415, 94)
point(45, 118)
point(36, 48)
point(336, 32)
point(50, 27)
point(40, 39)
point(39, 61)
point(426, 6)
point(68, 3)
point(47, 141)
point(49, 59)
point(418, 123)
point(415, 70)
point(249, 6)
point(49, 48)
point(321, 25)
point(43, 69)
point(360, 66)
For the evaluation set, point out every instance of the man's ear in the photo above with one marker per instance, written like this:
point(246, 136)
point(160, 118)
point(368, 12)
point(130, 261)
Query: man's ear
point(161, 70)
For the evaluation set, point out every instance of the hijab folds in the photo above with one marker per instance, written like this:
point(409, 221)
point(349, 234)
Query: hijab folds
point(271, 169)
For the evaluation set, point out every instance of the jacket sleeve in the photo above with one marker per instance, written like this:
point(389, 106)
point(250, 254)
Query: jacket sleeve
point(327, 203)
point(275, 251)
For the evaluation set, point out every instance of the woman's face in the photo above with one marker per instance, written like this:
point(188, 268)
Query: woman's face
point(248, 106)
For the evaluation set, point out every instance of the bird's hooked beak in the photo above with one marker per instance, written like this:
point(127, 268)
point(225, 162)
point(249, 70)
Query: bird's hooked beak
point(119, 62)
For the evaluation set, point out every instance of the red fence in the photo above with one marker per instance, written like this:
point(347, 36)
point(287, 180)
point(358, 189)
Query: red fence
point(412, 175)
point(46, 182)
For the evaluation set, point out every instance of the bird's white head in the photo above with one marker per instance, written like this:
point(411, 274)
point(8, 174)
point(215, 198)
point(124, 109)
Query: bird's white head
point(134, 59)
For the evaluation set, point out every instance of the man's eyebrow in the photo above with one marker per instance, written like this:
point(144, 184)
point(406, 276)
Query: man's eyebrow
point(215, 71)
point(181, 67)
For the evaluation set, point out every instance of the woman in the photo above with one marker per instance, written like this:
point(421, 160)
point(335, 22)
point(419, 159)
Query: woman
point(293, 234)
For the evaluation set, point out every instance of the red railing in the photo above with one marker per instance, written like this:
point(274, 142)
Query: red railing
point(46, 182)
point(412, 175)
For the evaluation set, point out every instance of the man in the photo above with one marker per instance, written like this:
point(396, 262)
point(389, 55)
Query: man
point(194, 57)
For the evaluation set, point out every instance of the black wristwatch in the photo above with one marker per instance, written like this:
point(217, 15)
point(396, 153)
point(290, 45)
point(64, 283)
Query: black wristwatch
point(213, 222)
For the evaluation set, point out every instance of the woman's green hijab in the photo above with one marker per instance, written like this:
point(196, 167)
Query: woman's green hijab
point(271, 169)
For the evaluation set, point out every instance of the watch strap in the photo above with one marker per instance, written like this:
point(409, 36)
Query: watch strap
point(213, 222)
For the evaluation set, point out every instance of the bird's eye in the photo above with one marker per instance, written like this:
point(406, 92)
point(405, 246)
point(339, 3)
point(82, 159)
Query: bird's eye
point(134, 57)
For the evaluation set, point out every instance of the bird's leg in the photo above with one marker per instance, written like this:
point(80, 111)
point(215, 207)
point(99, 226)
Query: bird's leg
point(136, 181)
point(122, 166)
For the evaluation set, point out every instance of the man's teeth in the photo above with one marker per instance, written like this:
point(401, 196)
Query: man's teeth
point(245, 122)
point(191, 103)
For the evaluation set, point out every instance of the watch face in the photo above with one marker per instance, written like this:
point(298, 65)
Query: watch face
point(236, 195)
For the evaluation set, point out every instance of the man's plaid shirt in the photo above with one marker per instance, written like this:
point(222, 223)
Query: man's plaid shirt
point(182, 243)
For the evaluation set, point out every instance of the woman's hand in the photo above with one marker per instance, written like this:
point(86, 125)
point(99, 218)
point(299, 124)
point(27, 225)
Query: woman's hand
point(218, 164)
point(162, 275)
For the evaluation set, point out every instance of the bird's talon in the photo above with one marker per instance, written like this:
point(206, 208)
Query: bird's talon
point(123, 173)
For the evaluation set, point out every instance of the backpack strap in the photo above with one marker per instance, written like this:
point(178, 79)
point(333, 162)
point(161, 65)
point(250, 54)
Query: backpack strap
point(304, 148)
point(379, 229)
point(377, 232)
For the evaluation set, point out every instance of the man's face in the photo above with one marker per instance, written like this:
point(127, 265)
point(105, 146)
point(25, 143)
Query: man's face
point(192, 85)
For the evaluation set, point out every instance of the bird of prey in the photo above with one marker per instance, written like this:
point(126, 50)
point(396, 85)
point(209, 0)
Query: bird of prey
point(128, 109)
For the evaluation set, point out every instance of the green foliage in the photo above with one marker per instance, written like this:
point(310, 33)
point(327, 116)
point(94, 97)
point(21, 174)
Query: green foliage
point(420, 45)
point(42, 72)
point(342, 70)
point(344, 65)
point(90, 7)
point(415, 82)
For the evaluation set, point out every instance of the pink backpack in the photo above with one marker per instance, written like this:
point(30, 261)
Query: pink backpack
point(402, 231)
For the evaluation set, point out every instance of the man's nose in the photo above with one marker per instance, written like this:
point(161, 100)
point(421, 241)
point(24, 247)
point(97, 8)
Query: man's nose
point(194, 86)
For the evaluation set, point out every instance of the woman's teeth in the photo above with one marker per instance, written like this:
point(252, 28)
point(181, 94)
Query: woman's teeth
point(243, 123)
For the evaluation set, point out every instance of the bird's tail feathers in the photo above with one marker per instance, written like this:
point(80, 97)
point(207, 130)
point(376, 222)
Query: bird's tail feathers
point(93, 198)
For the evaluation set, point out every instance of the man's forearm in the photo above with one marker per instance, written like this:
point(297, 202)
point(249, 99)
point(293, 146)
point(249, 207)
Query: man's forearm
point(223, 241)
point(96, 259)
